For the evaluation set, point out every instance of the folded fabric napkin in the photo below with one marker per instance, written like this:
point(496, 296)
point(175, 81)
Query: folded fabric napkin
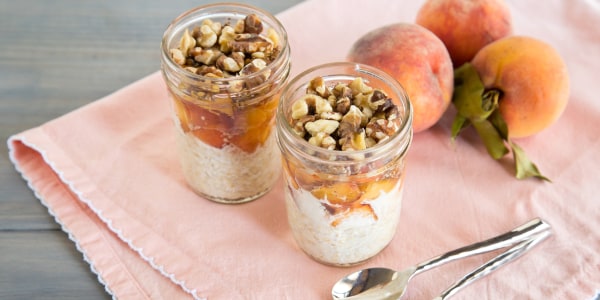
point(109, 174)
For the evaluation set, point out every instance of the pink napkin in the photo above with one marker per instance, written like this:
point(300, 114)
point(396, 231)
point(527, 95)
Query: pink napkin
point(109, 174)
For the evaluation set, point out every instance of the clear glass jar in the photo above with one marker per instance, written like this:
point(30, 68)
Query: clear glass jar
point(225, 125)
point(343, 206)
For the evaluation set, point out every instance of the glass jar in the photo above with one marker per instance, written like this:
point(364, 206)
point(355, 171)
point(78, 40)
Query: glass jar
point(343, 207)
point(224, 118)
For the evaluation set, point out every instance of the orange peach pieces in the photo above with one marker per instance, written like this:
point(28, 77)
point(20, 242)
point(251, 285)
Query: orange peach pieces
point(372, 190)
point(338, 192)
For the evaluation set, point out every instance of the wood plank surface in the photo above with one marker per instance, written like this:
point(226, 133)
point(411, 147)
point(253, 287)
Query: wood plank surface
point(39, 264)
point(56, 56)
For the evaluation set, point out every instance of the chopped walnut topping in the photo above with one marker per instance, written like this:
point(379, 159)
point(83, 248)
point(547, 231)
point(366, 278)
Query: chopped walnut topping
point(299, 109)
point(178, 56)
point(230, 64)
point(254, 66)
point(211, 71)
point(358, 86)
point(222, 50)
point(331, 115)
point(187, 43)
point(273, 37)
point(345, 116)
point(354, 141)
point(252, 24)
point(239, 26)
point(226, 38)
point(321, 126)
point(351, 122)
point(206, 56)
point(323, 140)
point(317, 86)
point(250, 43)
point(299, 125)
point(342, 105)
point(215, 26)
point(208, 37)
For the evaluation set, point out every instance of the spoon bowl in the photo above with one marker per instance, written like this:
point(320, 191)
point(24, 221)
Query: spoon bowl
point(373, 283)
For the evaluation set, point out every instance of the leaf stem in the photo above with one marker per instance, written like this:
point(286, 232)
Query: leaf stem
point(478, 106)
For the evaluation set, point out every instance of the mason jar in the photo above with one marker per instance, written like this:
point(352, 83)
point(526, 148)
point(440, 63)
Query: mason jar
point(224, 66)
point(343, 205)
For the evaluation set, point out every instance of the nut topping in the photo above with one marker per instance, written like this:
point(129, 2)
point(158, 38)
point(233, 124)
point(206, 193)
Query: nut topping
point(226, 38)
point(299, 125)
point(178, 56)
point(342, 105)
point(207, 57)
point(321, 126)
point(208, 37)
point(230, 64)
point(187, 43)
point(253, 67)
point(323, 140)
point(345, 116)
point(358, 86)
point(250, 43)
point(317, 86)
point(233, 49)
point(351, 122)
point(299, 109)
point(252, 24)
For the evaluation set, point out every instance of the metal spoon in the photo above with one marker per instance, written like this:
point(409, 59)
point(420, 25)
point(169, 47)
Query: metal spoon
point(494, 263)
point(383, 283)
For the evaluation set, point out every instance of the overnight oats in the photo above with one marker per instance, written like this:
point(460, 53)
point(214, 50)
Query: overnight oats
point(224, 66)
point(344, 130)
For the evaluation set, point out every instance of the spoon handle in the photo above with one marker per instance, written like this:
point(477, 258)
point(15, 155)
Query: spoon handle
point(493, 264)
point(519, 234)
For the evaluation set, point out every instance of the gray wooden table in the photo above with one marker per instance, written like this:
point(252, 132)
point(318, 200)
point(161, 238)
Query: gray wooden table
point(56, 56)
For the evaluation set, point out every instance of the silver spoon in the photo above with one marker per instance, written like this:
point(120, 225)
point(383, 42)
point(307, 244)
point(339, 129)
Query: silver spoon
point(383, 283)
point(494, 263)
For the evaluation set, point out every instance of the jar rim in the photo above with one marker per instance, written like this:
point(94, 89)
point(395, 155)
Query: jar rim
point(403, 133)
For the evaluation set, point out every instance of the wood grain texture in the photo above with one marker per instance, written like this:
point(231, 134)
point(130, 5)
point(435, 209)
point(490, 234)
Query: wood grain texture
point(44, 265)
point(56, 56)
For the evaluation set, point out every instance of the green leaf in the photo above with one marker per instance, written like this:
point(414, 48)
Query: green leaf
point(479, 107)
point(468, 96)
point(524, 168)
point(499, 123)
point(459, 124)
point(494, 143)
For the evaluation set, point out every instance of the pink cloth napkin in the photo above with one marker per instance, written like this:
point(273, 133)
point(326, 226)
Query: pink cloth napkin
point(109, 174)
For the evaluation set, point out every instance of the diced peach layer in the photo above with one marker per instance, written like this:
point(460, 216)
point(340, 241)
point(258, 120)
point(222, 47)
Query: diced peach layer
point(247, 128)
point(210, 136)
point(338, 192)
point(350, 192)
point(372, 190)
point(342, 198)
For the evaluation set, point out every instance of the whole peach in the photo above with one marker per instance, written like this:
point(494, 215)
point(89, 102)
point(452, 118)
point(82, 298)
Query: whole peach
point(416, 58)
point(465, 26)
point(532, 79)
